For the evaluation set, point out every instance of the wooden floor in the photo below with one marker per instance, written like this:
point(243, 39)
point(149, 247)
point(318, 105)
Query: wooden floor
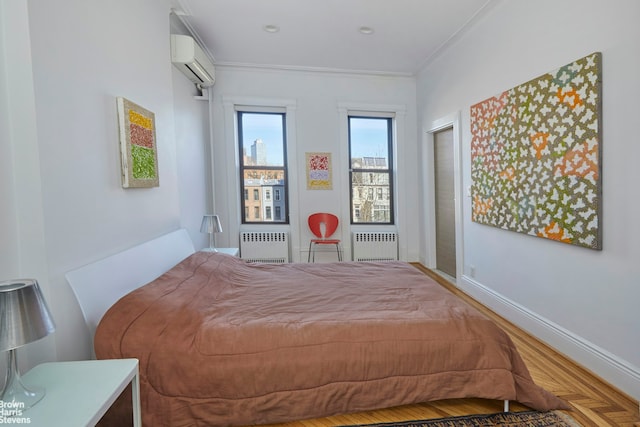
point(595, 402)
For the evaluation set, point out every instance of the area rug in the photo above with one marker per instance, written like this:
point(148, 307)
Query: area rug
point(503, 419)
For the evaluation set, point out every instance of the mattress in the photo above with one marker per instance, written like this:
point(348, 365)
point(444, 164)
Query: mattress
point(225, 342)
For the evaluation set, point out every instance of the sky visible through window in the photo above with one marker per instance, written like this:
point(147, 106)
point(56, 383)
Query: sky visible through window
point(369, 137)
point(268, 128)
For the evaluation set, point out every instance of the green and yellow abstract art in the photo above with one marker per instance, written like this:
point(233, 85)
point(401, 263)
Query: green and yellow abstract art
point(536, 156)
point(137, 145)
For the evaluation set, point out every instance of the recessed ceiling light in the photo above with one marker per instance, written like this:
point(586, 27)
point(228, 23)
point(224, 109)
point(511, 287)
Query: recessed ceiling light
point(270, 28)
point(365, 30)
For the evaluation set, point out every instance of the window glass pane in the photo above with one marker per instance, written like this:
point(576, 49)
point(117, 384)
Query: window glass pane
point(369, 140)
point(262, 139)
point(265, 182)
point(366, 191)
point(262, 145)
point(371, 163)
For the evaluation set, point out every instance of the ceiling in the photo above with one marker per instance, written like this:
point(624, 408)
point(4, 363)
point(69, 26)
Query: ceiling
point(324, 34)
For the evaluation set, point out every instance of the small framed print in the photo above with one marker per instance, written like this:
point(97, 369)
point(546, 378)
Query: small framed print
point(319, 171)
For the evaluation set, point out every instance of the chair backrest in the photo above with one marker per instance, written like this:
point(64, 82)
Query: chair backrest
point(330, 222)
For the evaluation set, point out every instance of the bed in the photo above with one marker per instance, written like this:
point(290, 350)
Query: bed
point(225, 342)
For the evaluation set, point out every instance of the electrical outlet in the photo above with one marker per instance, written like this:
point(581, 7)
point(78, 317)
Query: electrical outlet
point(472, 270)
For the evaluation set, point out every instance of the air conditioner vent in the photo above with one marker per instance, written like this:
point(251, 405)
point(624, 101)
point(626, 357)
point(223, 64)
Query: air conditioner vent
point(189, 58)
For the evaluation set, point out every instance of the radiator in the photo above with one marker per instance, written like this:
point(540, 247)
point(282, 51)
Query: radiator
point(375, 246)
point(264, 246)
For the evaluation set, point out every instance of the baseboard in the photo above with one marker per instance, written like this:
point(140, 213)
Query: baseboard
point(618, 372)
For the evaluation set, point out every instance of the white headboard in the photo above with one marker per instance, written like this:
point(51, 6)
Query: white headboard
point(99, 285)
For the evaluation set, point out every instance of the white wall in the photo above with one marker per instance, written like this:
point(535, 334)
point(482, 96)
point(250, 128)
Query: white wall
point(315, 99)
point(194, 156)
point(193, 145)
point(582, 301)
point(66, 206)
point(21, 219)
point(8, 232)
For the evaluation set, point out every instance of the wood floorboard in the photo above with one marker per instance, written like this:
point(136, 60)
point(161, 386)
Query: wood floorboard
point(595, 403)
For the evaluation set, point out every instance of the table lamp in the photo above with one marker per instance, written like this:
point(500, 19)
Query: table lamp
point(24, 318)
point(211, 225)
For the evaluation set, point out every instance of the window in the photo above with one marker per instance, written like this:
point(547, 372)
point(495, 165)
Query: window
point(262, 145)
point(371, 177)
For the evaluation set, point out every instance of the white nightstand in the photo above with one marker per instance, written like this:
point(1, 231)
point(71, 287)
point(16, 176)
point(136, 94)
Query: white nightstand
point(79, 393)
point(228, 251)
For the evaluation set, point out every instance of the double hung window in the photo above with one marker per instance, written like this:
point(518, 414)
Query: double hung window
point(371, 171)
point(263, 169)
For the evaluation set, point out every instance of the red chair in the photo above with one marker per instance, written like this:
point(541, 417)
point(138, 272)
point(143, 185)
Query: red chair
point(316, 222)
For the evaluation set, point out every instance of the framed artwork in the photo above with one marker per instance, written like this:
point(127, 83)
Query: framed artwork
point(138, 151)
point(319, 171)
point(536, 156)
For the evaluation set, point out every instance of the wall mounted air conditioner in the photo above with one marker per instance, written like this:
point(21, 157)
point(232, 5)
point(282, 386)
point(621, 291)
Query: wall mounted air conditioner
point(189, 57)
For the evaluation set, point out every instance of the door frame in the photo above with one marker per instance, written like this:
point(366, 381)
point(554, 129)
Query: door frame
point(452, 120)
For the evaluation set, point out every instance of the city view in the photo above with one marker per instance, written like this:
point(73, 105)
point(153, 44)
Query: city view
point(265, 195)
point(265, 178)
point(264, 189)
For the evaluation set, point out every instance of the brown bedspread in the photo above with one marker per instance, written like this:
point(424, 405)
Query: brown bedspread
point(224, 342)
